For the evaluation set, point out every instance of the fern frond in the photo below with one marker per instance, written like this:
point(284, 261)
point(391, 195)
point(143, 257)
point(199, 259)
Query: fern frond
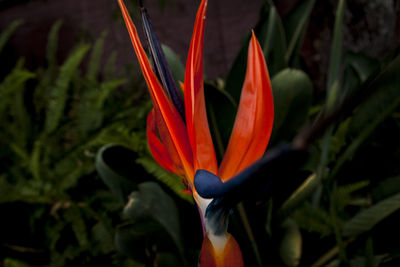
point(13, 81)
point(109, 68)
point(52, 42)
point(8, 32)
point(171, 180)
point(314, 220)
point(95, 60)
point(343, 193)
point(59, 93)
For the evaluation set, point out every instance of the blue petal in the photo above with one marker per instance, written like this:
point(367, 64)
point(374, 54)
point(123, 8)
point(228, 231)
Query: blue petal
point(260, 180)
point(161, 66)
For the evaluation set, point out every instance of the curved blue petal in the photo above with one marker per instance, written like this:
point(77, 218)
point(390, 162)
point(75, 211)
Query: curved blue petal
point(160, 63)
point(259, 180)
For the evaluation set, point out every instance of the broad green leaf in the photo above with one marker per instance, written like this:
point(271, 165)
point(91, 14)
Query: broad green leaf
point(6, 34)
point(386, 188)
point(295, 25)
point(115, 165)
point(174, 63)
point(59, 92)
point(292, 91)
point(150, 201)
point(365, 220)
point(362, 64)
point(291, 243)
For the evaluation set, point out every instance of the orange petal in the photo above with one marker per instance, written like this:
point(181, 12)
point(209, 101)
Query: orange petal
point(169, 115)
point(158, 150)
point(253, 124)
point(196, 115)
point(230, 256)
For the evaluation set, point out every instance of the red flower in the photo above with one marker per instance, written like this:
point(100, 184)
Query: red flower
point(184, 145)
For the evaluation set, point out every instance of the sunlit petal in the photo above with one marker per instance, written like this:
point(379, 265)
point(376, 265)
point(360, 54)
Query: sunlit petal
point(253, 124)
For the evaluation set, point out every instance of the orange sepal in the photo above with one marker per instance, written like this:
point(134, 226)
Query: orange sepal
point(169, 115)
point(196, 115)
point(157, 148)
point(253, 124)
point(230, 256)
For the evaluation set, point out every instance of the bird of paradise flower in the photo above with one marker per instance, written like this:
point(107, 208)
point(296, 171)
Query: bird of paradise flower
point(179, 137)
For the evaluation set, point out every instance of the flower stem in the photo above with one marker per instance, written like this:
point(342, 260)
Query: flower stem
point(249, 232)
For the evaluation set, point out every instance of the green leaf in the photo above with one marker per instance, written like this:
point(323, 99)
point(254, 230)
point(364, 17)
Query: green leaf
point(150, 201)
point(380, 104)
point(362, 64)
point(386, 188)
point(174, 63)
point(114, 164)
point(295, 25)
point(5, 35)
point(8, 262)
point(59, 93)
point(290, 246)
point(292, 91)
point(336, 50)
point(274, 44)
point(367, 219)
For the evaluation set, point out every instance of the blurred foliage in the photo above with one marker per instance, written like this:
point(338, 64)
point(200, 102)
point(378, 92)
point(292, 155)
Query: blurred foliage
point(64, 120)
point(55, 210)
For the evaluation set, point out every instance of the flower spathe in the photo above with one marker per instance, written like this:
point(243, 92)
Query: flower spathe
point(183, 144)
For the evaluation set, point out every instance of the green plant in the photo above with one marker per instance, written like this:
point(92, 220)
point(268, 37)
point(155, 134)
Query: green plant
point(334, 199)
point(53, 119)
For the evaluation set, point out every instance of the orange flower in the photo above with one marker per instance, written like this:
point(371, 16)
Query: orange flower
point(182, 143)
